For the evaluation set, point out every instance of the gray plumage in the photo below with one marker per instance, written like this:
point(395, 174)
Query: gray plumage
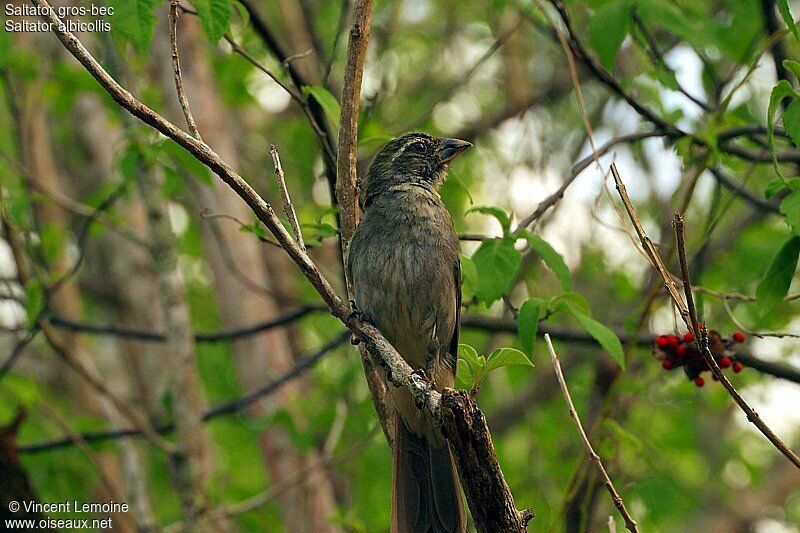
point(404, 266)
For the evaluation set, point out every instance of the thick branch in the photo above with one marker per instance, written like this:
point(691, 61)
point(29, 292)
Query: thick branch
point(346, 180)
point(487, 492)
point(348, 129)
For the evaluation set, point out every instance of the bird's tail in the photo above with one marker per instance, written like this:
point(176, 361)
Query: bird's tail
point(426, 494)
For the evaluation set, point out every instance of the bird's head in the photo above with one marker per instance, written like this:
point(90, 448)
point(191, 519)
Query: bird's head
point(412, 158)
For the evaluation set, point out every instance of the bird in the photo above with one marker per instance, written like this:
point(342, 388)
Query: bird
point(404, 267)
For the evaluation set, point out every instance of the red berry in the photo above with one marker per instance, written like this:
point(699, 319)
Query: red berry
point(662, 341)
point(672, 341)
point(667, 364)
point(681, 350)
point(725, 361)
point(738, 336)
point(688, 337)
point(737, 367)
point(699, 381)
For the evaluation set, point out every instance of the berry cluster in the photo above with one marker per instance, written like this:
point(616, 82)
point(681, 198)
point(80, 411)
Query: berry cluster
point(675, 352)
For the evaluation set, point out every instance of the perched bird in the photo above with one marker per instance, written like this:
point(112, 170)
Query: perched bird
point(405, 271)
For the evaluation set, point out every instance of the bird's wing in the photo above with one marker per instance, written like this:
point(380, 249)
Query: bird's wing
point(453, 346)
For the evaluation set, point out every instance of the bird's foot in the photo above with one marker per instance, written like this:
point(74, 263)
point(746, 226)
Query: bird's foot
point(421, 402)
point(356, 314)
point(429, 372)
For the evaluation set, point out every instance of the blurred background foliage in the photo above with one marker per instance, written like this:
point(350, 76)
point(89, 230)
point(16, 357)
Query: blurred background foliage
point(494, 73)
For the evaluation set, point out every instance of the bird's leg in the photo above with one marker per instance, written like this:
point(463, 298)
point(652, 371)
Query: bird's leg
point(420, 403)
point(433, 356)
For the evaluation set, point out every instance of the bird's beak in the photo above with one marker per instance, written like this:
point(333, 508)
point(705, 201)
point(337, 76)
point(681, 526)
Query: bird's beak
point(449, 149)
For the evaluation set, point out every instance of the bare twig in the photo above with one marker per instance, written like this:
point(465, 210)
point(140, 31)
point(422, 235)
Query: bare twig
point(482, 322)
point(630, 523)
point(102, 389)
point(691, 322)
point(263, 498)
point(348, 129)
point(288, 208)
point(234, 406)
point(649, 247)
point(256, 63)
point(82, 445)
point(579, 167)
point(152, 336)
point(701, 340)
point(176, 69)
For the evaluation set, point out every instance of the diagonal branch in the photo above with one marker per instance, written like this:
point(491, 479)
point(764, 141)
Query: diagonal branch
point(288, 208)
point(176, 69)
point(691, 321)
point(630, 523)
point(234, 406)
point(701, 339)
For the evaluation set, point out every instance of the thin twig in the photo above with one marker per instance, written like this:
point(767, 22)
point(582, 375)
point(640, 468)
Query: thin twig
point(689, 321)
point(630, 523)
point(234, 406)
point(176, 69)
point(649, 247)
point(288, 208)
point(152, 336)
point(82, 445)
point(677, 222)
point(701, 340)
point(579, 167)
point(263, 498)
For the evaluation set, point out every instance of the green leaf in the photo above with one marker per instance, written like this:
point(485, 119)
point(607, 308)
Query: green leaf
point(468, 354)
point(790, 206)
point(326, 101)
point(777, 185)
point(496, 262)
point(623, 434)
point(496, 212)
point(781, 90)
point(783, 7)
point(776, 281)
point(562, 302)
point(34, 300)
point(464, 375)
point(531, 312)
point(469, 277)
point(603, 335)
point(135, 20)
point(607, 30)
point(791, 121)
point(793, 67)
point(214, 16)
point(505, 357)
point(551, 258)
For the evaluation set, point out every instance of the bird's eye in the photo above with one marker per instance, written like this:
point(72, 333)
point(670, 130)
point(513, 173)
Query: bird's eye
point(417, 146)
